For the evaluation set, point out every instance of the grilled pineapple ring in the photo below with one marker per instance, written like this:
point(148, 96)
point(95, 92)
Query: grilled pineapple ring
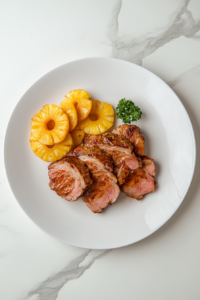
point(51, 125)
point(51, 153)
point(80, 99)
point(77, 135)
point(100, 119)
point(71, 112)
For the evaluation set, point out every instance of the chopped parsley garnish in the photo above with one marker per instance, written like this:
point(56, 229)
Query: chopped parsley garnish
point(128, 111)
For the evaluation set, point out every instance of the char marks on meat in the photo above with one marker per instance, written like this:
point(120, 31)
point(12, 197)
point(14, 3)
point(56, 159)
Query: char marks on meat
point(69, 177)
point(104, 190)
point(139, 183)
point(133, 134)
point(90, 171)
point(121, 151)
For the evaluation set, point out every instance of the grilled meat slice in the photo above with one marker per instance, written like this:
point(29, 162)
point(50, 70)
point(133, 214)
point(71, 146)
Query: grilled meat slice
point(104, 190)
point(95, 153)
point(139, 183)
point(149, 165)
point(69, 177)
point(100, 194)
point(108, 140)
point(121, 151)
point(133, 134)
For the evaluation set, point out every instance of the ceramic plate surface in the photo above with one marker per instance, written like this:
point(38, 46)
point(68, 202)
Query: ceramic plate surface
point(169, 141)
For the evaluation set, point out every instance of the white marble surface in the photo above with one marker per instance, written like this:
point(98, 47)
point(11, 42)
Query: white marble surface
point(162, 36)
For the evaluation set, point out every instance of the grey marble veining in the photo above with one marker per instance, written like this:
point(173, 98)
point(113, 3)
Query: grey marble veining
point(136, 48)
point(188, 75)
point(48, 289)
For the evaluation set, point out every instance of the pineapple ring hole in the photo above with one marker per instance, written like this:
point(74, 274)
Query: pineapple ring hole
point(76, 104)
point(50, 146)
point(93, 117)
point(51, 125)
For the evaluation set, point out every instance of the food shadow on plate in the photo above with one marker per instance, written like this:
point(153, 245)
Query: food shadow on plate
point(115, 121)
point(158, 168)
point(148, 153)
point(146, 142)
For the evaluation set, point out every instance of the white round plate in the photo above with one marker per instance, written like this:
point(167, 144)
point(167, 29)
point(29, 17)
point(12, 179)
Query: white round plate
point(169, 141)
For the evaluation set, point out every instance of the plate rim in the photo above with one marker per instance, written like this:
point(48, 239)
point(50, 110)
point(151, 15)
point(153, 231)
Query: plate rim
point(137, 66)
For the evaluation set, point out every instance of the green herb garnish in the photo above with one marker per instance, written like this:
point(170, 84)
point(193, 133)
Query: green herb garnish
point(128, 111)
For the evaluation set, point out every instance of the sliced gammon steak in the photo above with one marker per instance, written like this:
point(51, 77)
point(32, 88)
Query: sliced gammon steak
point(121, 151)
point(133, 134)
point(141, 181)
point(104, 190)
point(69, 177)
point(149, 165)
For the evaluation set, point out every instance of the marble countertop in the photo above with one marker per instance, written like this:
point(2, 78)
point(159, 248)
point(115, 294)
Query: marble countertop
point(162, 36)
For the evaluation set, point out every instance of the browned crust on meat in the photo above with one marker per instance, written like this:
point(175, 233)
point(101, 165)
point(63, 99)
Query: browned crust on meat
point(134, 179)
point(58, 184)
point(95, 152)
point(74, 162)
point(118, 147)
point(121, 170)
point(148, 164)
point(92, 140)
point(116, 140)
point(133, 134)
point(104, 189)
point(110, 139)
point(96, 189)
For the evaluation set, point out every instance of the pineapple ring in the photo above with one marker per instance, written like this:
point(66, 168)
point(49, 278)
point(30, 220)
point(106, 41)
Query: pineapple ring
point(70, 110)
point(77, 136)
point(100, 119)
point(80, 99)
point(51, 125)
point(51, 153)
